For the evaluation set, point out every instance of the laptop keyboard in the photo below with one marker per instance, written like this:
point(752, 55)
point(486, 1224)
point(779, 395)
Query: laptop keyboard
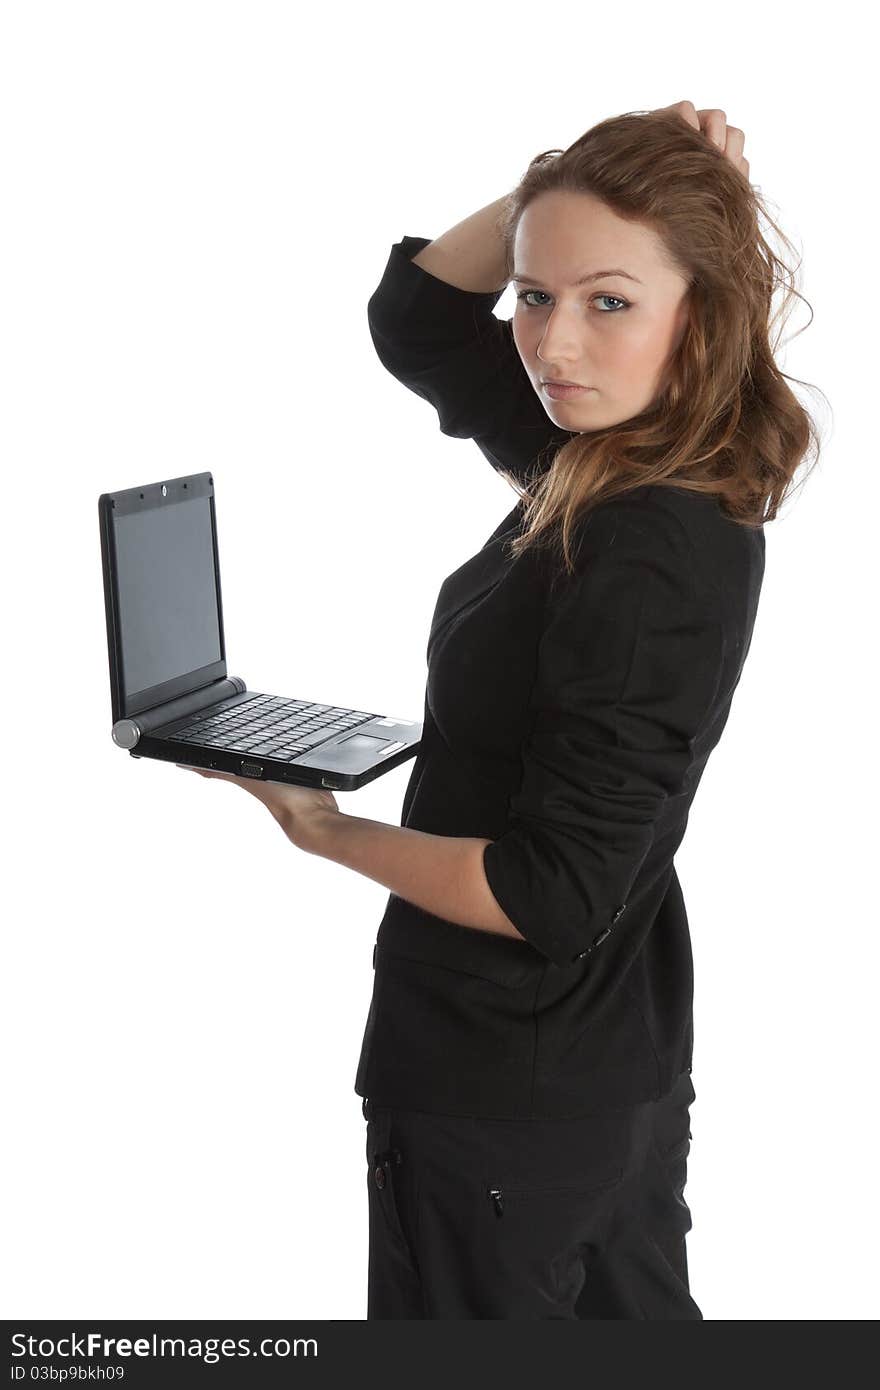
point(269, 725)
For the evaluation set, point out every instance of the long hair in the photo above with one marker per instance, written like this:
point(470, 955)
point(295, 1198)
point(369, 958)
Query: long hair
point(726, 421)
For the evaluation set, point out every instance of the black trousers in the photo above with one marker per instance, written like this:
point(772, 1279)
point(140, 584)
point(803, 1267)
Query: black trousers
point(519, 1219)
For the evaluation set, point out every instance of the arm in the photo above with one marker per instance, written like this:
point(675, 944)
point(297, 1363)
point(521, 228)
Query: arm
point(445, 344)
point(470, 256)
point(628, 678)
point(629, 683)
point(441, 874)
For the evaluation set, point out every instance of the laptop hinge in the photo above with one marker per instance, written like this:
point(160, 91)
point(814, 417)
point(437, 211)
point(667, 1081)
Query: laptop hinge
point(127, 732)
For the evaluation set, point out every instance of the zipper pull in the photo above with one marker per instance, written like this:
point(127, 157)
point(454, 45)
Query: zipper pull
point(495, 1194)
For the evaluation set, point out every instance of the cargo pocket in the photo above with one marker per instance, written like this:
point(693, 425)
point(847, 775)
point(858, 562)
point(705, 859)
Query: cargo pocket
point(536, 1238)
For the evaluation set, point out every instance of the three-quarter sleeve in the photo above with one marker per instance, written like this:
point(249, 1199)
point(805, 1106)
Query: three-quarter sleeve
point(448, 347)
point(629, 666)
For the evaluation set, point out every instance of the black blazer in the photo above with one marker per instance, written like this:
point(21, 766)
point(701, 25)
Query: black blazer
point(569, 721)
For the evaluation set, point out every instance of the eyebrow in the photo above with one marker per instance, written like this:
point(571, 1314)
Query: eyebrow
point(584, 280)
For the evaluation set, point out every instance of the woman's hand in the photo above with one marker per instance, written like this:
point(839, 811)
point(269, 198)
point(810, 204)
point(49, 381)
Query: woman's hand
point(713, 123)
point(296, 809)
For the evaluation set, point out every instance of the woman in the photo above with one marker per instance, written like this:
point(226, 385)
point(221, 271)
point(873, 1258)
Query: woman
point(525, 1069)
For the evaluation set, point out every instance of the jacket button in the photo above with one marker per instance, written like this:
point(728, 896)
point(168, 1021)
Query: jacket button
point(597, 941)
point(618, 912)
point(379, 1175)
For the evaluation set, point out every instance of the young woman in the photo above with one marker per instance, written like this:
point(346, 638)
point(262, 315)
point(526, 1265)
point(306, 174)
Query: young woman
point(526, 1063)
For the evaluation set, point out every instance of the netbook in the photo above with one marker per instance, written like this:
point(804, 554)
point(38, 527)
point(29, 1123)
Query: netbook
point(171, 697)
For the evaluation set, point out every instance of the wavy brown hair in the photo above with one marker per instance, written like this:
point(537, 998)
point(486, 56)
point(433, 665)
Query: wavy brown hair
point(726, 422)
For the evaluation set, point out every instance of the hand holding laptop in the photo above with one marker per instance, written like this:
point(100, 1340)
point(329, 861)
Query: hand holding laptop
point(294, 808)
point(171, 694)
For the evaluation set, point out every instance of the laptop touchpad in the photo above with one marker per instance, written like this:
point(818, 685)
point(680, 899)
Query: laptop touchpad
point(362, 743)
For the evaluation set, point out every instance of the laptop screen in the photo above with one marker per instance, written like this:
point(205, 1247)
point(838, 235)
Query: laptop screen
point(169, 625)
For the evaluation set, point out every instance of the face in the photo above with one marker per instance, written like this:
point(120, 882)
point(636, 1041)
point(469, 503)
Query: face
point(612, 334)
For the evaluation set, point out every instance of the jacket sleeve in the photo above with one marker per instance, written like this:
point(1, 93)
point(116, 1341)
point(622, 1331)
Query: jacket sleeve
point(446, 345)
point(629, 665)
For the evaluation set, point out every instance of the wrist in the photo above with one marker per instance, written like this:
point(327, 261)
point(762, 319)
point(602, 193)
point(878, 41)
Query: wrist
point(313, 833)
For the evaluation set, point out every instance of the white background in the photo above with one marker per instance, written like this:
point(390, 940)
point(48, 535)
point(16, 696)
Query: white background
point(199, 200)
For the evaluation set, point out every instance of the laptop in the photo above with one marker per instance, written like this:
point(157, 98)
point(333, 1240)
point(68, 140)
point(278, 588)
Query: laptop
point(171, 696)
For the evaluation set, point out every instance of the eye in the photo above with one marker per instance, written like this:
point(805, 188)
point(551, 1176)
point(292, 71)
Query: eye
point(617, 300)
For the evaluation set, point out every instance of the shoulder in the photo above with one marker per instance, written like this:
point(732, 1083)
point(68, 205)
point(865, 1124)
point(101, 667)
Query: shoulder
point(634, 528)
point(674, 526)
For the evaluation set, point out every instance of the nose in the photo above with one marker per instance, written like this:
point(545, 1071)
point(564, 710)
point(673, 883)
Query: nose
point(560, 342)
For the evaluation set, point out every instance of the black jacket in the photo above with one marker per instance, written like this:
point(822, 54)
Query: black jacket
point(569, 722)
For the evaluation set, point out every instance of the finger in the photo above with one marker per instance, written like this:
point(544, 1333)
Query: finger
point(713, 124)
point(684, 109)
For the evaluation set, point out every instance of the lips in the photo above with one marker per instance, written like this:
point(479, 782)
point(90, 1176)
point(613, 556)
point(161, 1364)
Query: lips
point(558, 392)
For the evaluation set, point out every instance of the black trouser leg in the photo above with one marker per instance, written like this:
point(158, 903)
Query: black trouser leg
point(585, 1218)
point(642, 1271)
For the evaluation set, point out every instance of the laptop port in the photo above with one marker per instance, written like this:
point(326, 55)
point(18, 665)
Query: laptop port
point(251, 769)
